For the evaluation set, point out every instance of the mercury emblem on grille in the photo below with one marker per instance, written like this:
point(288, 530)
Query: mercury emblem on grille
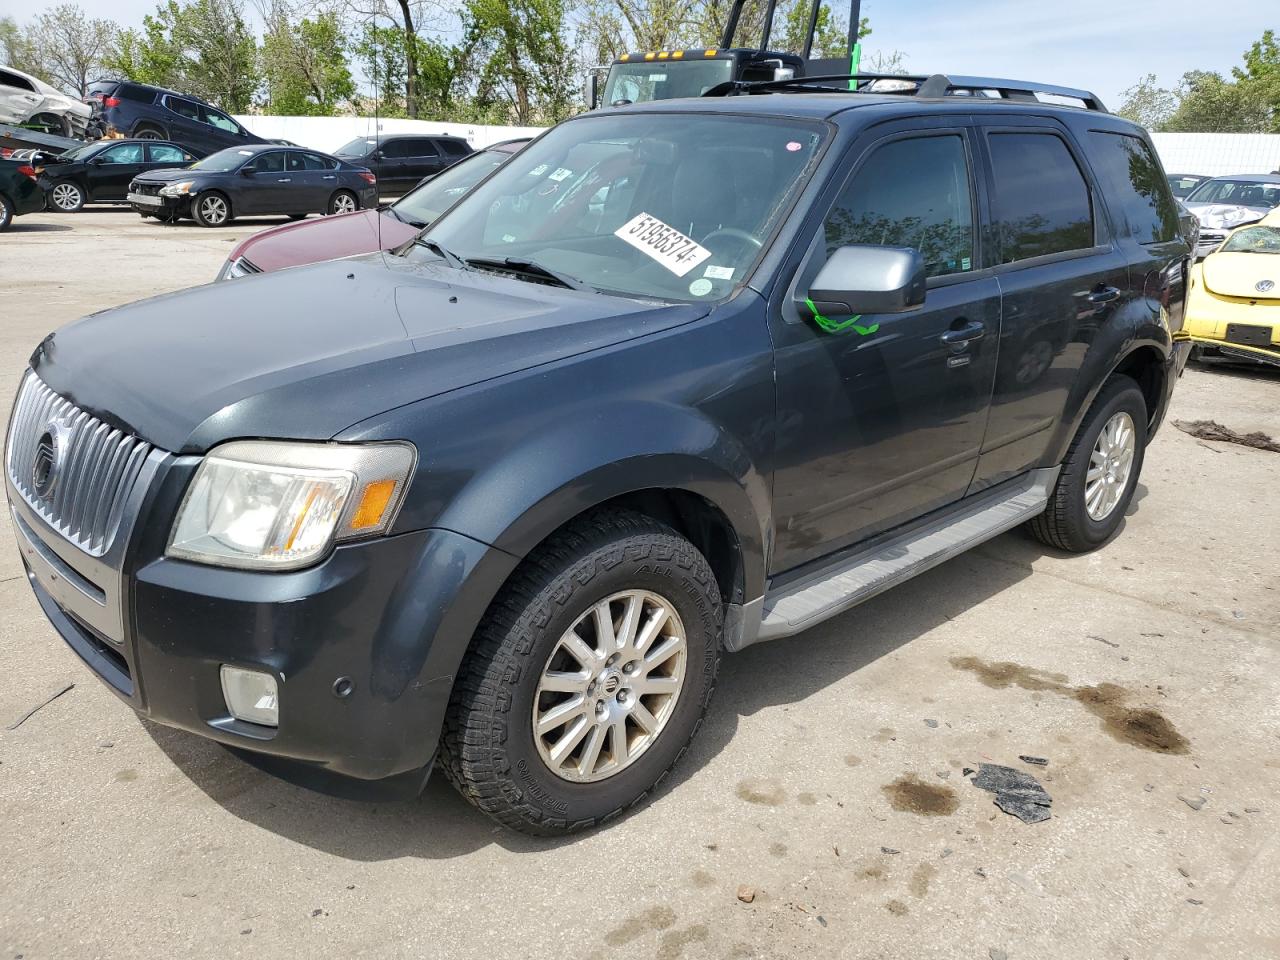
point(47, 460)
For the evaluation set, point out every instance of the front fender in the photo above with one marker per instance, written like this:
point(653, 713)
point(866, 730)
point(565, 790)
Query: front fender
point(517, 501)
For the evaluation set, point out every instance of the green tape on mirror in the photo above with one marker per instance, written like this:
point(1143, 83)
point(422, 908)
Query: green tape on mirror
point(839, 326)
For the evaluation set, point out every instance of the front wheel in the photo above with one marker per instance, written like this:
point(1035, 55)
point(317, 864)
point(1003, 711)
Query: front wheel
point(344, 201)
point(211, 209)
point(66, 197)
point(588, 677)
point(6, 213)
point(1100, 472)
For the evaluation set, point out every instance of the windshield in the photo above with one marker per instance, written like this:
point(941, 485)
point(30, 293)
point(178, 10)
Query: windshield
point(437, 195)
point(642, 82)
point(1246, 193)
point(82, 152)
point(667, 206)
point(1253, 240)
point(223, 161)
point(356, 148)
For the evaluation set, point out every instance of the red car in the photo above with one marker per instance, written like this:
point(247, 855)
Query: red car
point(365, 231)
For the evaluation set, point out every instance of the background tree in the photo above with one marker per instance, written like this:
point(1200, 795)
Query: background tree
point(1148, 104)
point(1211, 104)
point(305, 63)
point(70, 47)
point(408, 17)
point(16, 49)
point(522, 61)
point(1260, 80)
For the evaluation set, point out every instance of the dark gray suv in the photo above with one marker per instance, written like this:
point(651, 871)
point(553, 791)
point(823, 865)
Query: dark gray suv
point(154, 113)
point(668, 383)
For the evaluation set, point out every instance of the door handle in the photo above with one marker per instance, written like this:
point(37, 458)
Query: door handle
point(285, 180)
point(330, 177)
point(1104, 294)
point(959, 336)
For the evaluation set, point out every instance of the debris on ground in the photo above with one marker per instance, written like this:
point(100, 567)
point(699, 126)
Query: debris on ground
point(1212, 430)
point(746, 894)
point(966, 771)
point(1185, 872)
point(1038, 761)
point(995, 953)
point(889, 850)
point(1149, 787)
point(1106, 641)
point(979, 872)
point(1195, 901)
point(38, 707)
point(931, 724)
point(1017, 793)
point(1195, 803)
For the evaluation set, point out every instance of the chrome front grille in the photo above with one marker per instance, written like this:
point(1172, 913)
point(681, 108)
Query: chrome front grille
point(95, 466)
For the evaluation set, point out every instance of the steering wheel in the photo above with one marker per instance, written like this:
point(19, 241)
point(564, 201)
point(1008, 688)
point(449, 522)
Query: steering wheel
point(735, 233)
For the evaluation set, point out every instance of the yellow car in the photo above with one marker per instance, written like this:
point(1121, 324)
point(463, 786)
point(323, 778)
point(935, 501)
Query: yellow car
point(1233, 308)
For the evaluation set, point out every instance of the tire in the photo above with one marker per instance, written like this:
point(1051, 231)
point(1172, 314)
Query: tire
point(211, 209)
point(489, 749)
point(6, 213)
point(343, 201)
point(297, 216)
point(1067, 522)
point(66, 197)
point(149, 133)
point(53, 123)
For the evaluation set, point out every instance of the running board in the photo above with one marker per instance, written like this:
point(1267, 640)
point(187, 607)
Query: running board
point(852, 579)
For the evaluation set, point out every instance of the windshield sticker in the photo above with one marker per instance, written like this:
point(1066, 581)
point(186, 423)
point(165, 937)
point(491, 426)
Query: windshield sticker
point(508, 238)
point(795, 146)
point(564, 173)
point(657, 77)
point(663, 243)
point(700, 287)
point(539, 170)
point(718, 273)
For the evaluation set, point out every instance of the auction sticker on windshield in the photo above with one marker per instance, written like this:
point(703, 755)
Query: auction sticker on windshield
point(663, 243)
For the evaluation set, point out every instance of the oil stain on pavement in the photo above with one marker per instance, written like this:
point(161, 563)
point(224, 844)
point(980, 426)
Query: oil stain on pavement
point(1137, 726)
point(910, 794)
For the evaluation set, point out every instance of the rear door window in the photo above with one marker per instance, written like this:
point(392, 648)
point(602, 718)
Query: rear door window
point(1040, 198)
point(910, 193)
point(1135, 185)
point(313, 161)
point(420, 148)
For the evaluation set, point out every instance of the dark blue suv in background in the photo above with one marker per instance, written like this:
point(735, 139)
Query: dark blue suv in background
point(154, 113)
point(667, 383)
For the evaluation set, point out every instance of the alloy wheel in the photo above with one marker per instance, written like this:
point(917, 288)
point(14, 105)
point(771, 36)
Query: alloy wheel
point(610, 686)
point(214, 209)
point(344, 203)
point(66, 196)
point(1109, 466)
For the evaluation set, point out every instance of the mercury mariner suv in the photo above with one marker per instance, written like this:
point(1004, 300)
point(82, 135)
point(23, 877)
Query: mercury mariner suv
point(674, 380)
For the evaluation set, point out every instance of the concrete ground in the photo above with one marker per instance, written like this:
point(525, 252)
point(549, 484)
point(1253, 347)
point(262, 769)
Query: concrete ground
point(828, 778)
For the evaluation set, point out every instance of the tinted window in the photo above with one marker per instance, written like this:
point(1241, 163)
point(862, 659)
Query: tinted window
point(163, 153)
point(183, 108)
point(408, 148)
point(270, 163)
point(910, 193)
point(1041, 201)
point(102, 88)
point(125, 153)
point(1137, 192)
point(141, 94)
point(313, 161)
point(13, 80)
point(453, 148)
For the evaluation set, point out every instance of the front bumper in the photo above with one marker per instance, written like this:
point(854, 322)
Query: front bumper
point(157, 206)
point(1235, 351)
point(376, 613)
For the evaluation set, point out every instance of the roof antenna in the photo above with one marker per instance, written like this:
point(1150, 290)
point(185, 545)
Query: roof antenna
point(377, 133)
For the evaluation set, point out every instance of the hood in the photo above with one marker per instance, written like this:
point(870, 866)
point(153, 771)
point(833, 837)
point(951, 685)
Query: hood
point(169, 175)
point(1219, 216)
point(306, 353)
point(1238, 274)
point(328, 238)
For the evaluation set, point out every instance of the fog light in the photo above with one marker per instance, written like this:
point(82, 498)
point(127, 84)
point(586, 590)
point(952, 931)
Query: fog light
point(251, 695)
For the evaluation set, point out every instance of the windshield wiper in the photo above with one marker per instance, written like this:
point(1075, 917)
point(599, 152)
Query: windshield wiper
point(531, 268)
point(447, 255)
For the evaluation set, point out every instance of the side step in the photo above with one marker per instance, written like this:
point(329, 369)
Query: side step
point(852, 579)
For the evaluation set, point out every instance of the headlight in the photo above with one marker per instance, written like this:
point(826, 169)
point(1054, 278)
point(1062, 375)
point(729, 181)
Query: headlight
point(269, 505)
point(177, 189)
point(239, 267)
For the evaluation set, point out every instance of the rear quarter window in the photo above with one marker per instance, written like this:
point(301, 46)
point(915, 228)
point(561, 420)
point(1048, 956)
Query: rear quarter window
point(139, 94)
point(1040, 198)
point(1137, 191)
point(454, 148)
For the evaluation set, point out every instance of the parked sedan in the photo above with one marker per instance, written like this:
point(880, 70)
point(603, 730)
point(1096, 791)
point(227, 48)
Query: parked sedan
point(25, 99)
point(100, 172)
point(19, 191)
point(293, 244)
point(251, 181)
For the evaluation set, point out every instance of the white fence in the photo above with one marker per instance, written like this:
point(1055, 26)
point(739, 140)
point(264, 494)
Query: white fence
point(329, 133)
point(1218, 154)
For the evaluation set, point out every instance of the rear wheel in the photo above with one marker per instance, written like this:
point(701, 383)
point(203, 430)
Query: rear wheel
point(344, 201)
point(6, 213)
point(588, 677)
point(66, 197)
point(211, 209)
point(1099, 473)
point(149, 133)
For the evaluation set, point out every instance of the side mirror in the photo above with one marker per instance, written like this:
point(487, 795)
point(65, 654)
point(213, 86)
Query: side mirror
point(857, 280)
point(247, 171)
point(591, 89)
point(379, 155)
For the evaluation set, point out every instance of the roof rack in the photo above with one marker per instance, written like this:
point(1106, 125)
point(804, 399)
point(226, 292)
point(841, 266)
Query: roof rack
point(927, 86)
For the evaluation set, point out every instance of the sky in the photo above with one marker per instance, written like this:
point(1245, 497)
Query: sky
point(1101, 45)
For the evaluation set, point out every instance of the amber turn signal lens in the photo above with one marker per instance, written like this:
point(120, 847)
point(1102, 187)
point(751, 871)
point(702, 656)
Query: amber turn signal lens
point(373, 504)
